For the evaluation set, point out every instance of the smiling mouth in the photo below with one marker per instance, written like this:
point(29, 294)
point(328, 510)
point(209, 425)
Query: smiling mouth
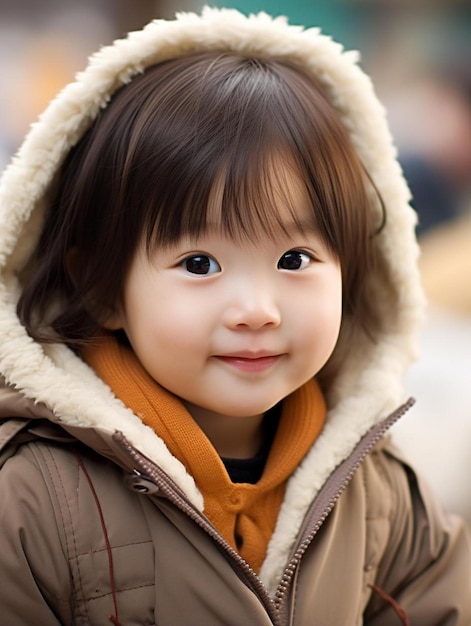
point(250, 363)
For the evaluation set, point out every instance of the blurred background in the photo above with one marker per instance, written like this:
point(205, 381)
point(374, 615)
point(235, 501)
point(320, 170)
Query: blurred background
point(418, 53)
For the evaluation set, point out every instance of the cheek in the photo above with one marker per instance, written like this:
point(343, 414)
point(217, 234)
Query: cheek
point(320, 316)
point(164, 328)
point(322, 326)
point(333, 315)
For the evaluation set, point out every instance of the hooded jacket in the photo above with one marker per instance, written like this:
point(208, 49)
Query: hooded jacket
point(101, 524)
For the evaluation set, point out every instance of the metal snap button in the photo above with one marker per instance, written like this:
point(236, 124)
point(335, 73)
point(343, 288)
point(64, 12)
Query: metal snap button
point(139, 484)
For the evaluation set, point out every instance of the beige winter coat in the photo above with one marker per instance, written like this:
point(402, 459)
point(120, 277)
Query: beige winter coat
point(100, 524)
point(86, 540)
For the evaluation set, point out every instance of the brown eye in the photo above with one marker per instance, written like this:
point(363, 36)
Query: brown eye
point(294, 260)
point(201, 264)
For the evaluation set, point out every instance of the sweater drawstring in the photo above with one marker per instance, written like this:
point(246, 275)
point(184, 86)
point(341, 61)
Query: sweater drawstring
point(387, 598)
point(113, 618)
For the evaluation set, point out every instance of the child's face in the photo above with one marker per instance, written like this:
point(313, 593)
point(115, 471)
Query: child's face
point(233, 327)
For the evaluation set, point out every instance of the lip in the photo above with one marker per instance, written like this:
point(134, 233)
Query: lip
point(250, 361)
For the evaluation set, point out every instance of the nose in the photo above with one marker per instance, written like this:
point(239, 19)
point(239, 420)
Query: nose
point(252, 307)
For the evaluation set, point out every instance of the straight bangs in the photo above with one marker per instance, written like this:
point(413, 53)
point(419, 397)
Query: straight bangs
point(246, 200)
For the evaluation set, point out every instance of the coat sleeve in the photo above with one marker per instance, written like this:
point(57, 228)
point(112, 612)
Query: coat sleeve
point(426, 568)
point(35, 580)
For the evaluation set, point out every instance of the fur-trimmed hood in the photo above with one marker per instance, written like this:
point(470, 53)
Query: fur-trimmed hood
point(369, 384)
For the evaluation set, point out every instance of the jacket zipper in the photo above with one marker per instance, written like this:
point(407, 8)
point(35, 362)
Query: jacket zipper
point(278, 608)
point(326, 500)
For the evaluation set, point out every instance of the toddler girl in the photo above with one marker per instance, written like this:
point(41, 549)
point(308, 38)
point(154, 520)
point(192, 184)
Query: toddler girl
point(208, 299)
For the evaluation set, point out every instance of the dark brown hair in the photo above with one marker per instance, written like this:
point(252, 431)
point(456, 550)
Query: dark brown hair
point(149, 163)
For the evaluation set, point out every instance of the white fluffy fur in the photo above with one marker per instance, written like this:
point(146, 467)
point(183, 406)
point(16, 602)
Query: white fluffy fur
point(369, 385)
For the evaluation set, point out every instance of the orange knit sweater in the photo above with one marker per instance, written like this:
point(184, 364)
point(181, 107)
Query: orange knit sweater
point(244, 514)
